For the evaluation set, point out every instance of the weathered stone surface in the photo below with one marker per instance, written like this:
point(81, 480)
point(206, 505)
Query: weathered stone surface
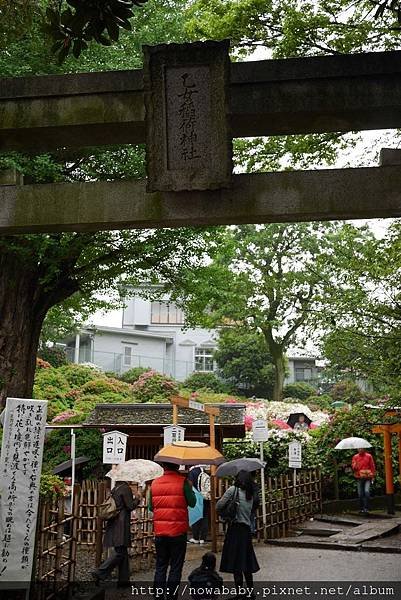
point(11, 177)
point(274, 97)
point(261, 198)
point(161, 414)
point(188, 142)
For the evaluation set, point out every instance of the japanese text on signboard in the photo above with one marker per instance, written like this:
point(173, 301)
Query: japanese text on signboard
point(114, 447)
point(20, 468)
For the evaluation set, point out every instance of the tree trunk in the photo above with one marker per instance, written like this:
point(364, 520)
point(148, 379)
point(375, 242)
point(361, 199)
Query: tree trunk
point(279, 367)
point(21, 319)
point(277, 353)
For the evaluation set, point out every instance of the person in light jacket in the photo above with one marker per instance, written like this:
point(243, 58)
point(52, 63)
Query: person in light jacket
point(118, 535)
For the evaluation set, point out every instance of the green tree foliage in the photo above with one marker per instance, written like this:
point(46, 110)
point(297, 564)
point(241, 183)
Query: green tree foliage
point(70, 270)
point(277, 279)
point(206, 381)
point(243, 359)
point(300, 390)
point(74, 23)
point(364, 334)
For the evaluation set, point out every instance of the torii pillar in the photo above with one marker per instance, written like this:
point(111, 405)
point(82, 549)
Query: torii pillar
point(387, 430)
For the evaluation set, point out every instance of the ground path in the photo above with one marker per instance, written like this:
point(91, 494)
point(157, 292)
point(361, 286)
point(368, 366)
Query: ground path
point(297, 565)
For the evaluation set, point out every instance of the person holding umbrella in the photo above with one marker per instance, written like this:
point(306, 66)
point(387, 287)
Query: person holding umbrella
point(118, 535)
point(363, 466)
point(364, 469)
point(238, 556)
point(169, 498)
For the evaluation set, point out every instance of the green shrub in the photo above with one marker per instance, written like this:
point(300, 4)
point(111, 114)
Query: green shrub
point(154, 387)
point(206, 381)
point(88, 443)
point(133, 374)
point(347, 391)
point(107, 385)
point(51, 486)
point(52, 386)
point(322, 402)
point(275, 452)
point(300, 390)
point(56, 356)
point(78, 375)
point(207, 397)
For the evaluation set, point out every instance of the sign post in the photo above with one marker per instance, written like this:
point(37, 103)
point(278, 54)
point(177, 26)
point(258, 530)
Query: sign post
point(295, 458)
point(260, 434)
point(72, 452)
point(20, 468)
point(173, 433)
point(114, 447)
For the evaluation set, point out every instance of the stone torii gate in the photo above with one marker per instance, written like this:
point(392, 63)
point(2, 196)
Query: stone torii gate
point(290, 96)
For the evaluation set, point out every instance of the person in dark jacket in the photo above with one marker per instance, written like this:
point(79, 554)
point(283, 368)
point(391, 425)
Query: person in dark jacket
point(118, 535)
point(238, 556)
point(169, 498)
point(204, 581)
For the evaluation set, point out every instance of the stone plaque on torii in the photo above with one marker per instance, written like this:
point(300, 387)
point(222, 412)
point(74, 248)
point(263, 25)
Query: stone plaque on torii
point(188, 142)
point(190, 180)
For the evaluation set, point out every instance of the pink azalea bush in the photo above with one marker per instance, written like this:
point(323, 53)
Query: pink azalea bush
point(154, 387)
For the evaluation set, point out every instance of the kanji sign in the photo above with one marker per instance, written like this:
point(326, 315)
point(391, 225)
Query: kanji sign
point(114, 447)
point(20, 468)
point(173, 433)
point(259, 431)
point(295, 455)
point(196, 405)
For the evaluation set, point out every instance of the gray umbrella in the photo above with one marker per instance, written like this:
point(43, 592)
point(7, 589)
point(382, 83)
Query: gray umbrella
point(233, 467)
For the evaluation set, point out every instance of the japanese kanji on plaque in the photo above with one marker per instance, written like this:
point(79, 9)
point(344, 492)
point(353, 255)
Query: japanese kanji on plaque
point(20, 469)
point(188, 146)
point(114, 447)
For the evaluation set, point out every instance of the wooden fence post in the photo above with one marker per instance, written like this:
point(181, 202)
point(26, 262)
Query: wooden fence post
point(99, 523)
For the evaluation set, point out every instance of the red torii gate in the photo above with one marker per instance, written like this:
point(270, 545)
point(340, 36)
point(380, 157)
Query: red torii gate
point(387, 430)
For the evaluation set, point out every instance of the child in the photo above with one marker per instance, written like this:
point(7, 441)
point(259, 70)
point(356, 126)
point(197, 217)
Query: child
point(204, 578)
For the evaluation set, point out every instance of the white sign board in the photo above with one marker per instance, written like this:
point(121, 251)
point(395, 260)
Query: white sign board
point(114, 447)
point(20, 469)
point(196, 405)
point(295, 455)
point(173, 433)
point(259, 431)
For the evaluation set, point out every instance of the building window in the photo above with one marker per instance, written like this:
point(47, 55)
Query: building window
point(166, 314)
point(204, 359)
point(303, 374)
point(127, 356)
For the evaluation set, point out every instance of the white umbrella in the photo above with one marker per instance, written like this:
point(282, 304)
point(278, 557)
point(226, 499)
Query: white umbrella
point(353, 443)
point(138, 470)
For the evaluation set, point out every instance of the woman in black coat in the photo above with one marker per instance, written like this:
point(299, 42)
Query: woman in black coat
point(238, 556)
point(118, 535)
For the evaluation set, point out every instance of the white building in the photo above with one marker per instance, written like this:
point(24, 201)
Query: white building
point(151, 335)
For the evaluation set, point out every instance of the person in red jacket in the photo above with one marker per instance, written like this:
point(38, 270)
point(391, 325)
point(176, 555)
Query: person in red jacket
point(364, 470)
point(169, 498)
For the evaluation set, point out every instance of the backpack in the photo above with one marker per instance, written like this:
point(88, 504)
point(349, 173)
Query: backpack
point(204, 485)
point(228, 512)
point(108, 509)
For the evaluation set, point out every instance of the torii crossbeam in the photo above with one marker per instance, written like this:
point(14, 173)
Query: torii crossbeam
point(290, 96)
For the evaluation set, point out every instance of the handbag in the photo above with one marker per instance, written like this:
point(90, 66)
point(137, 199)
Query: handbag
point(108, 509)
point(228, 512)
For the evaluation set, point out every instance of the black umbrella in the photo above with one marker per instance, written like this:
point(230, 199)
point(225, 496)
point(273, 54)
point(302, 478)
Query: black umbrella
point(294, 418)
point(233, 467)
